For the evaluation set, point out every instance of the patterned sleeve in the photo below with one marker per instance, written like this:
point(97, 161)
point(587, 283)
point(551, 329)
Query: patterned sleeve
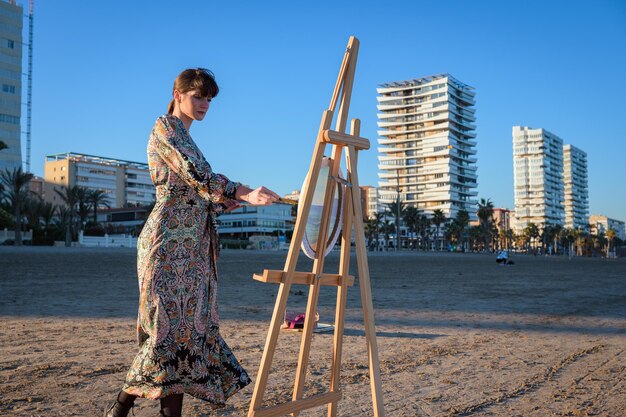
point(182, 156)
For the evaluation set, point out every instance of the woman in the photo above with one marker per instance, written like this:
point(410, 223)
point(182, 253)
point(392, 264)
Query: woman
point(181, 350)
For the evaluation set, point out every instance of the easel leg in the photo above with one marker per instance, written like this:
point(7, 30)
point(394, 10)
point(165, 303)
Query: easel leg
point(342, 296)
point(318, 269)
point(366, 290)
point(290, 267)
point(342, 290)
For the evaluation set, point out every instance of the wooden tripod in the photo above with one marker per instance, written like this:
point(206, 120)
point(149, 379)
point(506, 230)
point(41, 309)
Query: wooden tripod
point(352, 217)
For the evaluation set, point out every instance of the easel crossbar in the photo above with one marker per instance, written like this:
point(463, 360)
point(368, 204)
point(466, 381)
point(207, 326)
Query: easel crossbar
point(344, 139)
point(304, 278)
point(298, 405)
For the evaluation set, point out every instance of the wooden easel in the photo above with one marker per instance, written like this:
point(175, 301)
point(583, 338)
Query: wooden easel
point(352, 217)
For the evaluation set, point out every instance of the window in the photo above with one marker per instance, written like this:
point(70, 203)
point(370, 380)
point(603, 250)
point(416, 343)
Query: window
point(6, 88)
point(10, 43)
point(7, 118)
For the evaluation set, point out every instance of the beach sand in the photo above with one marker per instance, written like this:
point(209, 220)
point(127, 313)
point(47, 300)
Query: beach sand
point(458, 335)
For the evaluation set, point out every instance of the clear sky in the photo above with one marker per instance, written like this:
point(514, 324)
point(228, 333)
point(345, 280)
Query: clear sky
point(103, 72)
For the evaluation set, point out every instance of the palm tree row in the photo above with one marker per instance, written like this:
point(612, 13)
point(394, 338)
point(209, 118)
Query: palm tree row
point(78, 201)
point(426, 232)
point(15, 191)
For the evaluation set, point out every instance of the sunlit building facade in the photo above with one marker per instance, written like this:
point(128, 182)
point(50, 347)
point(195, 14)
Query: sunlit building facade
point(601, 224)
point(538, 178)
point(126, 183)
point(371, 202)
point(427, 135)
point(576, 200)
point(10, 84)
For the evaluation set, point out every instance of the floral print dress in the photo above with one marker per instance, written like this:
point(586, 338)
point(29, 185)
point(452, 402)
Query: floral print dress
point(180, 347)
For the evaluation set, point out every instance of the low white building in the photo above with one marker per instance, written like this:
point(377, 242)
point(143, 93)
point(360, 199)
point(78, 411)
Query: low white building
point(601, 224)
point(247, 221)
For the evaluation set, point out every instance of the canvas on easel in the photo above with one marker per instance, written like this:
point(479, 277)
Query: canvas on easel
point(351, 219)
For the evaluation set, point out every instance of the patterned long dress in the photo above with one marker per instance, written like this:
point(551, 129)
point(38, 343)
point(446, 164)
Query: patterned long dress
point(180, 347)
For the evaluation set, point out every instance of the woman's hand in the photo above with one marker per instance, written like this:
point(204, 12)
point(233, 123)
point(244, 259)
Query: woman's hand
point(257, 197)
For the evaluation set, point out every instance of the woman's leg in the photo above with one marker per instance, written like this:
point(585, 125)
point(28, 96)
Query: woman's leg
point(121, 406)
point(172, 405)
point(126, 399)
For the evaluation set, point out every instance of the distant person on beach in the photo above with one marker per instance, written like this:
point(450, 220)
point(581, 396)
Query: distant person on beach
point(503, 258)
point(181, 350)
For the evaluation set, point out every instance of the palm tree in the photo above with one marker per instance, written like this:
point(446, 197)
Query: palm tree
point(373, 227)
point(610, 235)
point(485, 215)
point(16, 191)
point(502, 239)
point(84, 207)
point(47, 211)
point(452, 232)
point(379, 216)
point(369, 230)
point(32, 212)
point(557, 230)
point(69, 195)
point(462, 219)
point(396, 209)
point(475, 233)
point(438, 218)
point(579, 236)
point(387, 228)
point(530, 233)
point(423, 225)
point(97, 198)
point(411, 218)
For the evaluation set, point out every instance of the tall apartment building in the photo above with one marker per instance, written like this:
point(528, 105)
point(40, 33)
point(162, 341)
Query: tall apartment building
point(538, 177)
point(125, 182)
point(576, 200)
point(11, 83)
point(428, 146)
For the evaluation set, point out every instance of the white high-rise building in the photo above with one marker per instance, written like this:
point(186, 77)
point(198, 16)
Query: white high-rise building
point(10, 84)
point(538, 177)
point(428, 146)
point(576, 187)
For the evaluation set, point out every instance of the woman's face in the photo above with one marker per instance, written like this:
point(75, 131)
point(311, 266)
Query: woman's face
point(192, 104)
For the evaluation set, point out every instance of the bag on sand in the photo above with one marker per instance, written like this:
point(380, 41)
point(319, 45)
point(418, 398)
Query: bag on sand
point(295, 319)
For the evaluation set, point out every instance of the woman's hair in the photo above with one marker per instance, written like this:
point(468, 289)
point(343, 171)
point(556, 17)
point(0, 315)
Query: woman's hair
point(195, 79)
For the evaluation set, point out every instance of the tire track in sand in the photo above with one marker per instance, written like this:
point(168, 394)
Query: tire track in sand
point(528, 385)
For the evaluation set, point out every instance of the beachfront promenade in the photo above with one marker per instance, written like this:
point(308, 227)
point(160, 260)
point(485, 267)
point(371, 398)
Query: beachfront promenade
point(458, 334)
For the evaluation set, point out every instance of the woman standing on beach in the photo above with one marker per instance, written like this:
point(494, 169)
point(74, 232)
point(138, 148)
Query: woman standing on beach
point(180, 347)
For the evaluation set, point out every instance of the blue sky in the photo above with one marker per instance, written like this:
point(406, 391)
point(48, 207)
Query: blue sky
point(103, 72)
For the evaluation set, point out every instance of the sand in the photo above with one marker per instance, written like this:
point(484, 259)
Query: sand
point(458, 335)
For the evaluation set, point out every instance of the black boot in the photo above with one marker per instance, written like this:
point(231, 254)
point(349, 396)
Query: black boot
point(117, 409)
point(162, 414)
